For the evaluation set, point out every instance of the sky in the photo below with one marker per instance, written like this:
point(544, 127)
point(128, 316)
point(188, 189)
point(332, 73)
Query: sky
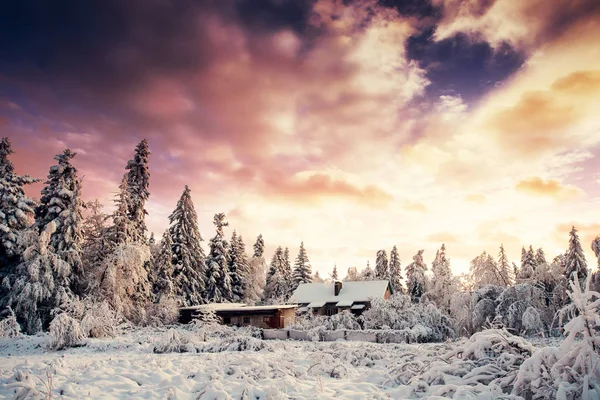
point(353, 126)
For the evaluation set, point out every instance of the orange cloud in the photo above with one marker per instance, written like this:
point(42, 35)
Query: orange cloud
point(539, 187)
point(415, 207)
point(476, 198)
point(443, 237)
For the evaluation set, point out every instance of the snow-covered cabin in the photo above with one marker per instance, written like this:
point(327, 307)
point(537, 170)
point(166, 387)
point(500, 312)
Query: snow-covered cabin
point(332, 298)
point(239, 314)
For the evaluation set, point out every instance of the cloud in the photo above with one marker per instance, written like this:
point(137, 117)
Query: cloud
point(536, 186)
point(443, 237)
point(476, 198)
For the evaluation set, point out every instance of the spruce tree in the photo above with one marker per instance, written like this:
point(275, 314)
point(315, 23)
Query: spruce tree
point(95, 239)
point(317, 278)
point(277, 287)
point(122, 229)
point(540, 257)
point(16, 209)
point(163, 268)
point(382, 271)
point(442, 282)
point(138, 181)
point(188, 256)
point(238, 267)
point(334, 274)
point(415, 276)
point(395, 271)
point(504, 269)
point(527, 270)
point(574, 261)
point(287, 269)
point(254, 282)
point(367, 274)
point(218, 280)
point(302, 269)
point(61, 204)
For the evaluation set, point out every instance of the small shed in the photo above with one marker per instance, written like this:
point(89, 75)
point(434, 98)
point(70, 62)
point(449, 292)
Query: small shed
point(237, 314)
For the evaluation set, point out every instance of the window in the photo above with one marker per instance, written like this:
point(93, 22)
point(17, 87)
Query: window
point(331, 311)
point(246, 320)
point(266, 320)
point(226, 320)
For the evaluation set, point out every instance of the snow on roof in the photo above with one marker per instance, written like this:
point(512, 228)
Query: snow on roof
point(344, 303)
point(239, 307)
point(360, 291)
point(357, 307)
point(316, 304)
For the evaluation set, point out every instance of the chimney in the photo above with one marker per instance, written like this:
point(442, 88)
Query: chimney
point(337, 287)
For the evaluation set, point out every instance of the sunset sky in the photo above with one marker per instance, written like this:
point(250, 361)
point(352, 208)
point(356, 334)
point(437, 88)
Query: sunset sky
point(351, 125)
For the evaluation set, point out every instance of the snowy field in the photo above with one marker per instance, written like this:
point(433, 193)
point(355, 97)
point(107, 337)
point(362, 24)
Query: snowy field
point(235, 365)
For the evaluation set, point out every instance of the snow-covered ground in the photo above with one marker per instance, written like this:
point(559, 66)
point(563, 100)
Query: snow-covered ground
point(235, 365)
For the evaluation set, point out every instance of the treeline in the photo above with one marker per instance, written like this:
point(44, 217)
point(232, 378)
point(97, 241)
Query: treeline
point(63, 254)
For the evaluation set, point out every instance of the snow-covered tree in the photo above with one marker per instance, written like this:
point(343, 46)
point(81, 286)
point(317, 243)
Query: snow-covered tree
point(382, 268)
point(218, 280)
point(334, 274)
point(302, 270)
point(163, 268)
point(61, 204)
point(575, 259)
point(352, 275)
point(188, 256)
point(277, 286)
point(504, 270)
point(484, 271)
point(287, 269)
point(138, 180)
point(121, 231)
point(396, 271)
point(254, 282)
point(367, 274)
point(16, 209)
point(540, 257)
point(415, 276)
point(42, 282)
point(239, 267)
point(528, 265)
point(442, 283)
point(95, 234)
point(317, 278)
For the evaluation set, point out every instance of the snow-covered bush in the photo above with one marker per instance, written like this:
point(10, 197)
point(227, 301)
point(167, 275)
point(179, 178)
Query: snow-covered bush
point(571, 371)
point(514, 301)
point(9, 327)
point(532, 322)
point(343, 320)
point(65, 331)
point(175, 341)
point(99, 320)
point(235, 343)
point(165, 312)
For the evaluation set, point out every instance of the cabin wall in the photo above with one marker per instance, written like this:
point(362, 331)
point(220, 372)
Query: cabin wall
point(259, 321)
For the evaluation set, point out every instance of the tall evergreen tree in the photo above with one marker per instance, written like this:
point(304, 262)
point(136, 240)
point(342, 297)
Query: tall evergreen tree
point(254, 282)
point(367, 274)
point(122, 229)
point(238, 267)
point(16, 209)
point(504, 270)
point(61, 204)
point(138, 181)
point(188, 256)
point(442, 282)
point(277, 286)
point(527, 270)
point(218, 279)
point(287, 269)
point(95, 240)
point(163, 268)
point(382, 269)
point(415, 275)
point(395, 271)
point(540, 257)
point(575, 259)
point(334, 274)
point(302, 269)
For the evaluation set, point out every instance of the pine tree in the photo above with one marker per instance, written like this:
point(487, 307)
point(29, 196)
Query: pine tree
point(540, 257)
point(138, 180)
point(238, 267)
point(61, 204)
point(415, 275)
point(287, 270)
point(334, 274)
point(16, 209)
point(442, 282)
point(163, 268)
point(302, 269)
point(188, 256)
point(254, 282)
point(218, 279)
point(395, 271)
point(122, 229)
point(574, 262)
point(317, 278)
point(504, 269)
point(277, 286)
point(596, 248)
point(527, 270)
point(382, 271)
point(95, 240)
point(367, 274)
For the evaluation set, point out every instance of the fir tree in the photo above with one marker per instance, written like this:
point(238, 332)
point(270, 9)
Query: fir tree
point(238, 267)
point(540, 257)
point(367, 274)
point(504, 269)
point(95, 239)
point(61, 204)
point(382, 271)
point(442, 282)
point(163, 268)
point(16, 209)
point(277, 286)
point(395, 271)
point(302, 269)
point(254, 282)
point(415, 275)
point(527, 270)
point(188, 256)
point(334, 274)
point(122, 230)
point(575, 259)
point(317, 278)
point(218, 279)
point(138, 180)
point(287, 269)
